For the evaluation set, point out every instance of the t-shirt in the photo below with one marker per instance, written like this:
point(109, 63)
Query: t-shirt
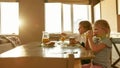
point(103, 57)
point(81, 38)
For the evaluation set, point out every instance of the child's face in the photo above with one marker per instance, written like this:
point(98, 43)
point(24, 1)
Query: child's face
point(81, 29)
point(99, 31)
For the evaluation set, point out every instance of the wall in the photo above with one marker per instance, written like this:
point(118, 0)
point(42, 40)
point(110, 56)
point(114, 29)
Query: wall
point(108, 11)
point(32, 20)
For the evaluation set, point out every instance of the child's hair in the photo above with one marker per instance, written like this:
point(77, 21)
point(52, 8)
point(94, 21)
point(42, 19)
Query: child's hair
point(104, 24)
point(86, 24)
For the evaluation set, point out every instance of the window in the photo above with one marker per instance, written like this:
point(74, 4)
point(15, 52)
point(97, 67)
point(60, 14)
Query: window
point(53, 17)
point(66, 17)
point(61, 17)
point(9, 14)
point(97, 12)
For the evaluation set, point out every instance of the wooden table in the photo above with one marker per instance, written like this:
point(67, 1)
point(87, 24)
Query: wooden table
point(33, 55)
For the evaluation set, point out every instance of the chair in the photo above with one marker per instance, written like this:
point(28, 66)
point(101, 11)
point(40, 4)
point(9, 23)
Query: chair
point(114, 42)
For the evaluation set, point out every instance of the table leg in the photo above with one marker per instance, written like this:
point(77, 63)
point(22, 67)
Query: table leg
point(77, 64)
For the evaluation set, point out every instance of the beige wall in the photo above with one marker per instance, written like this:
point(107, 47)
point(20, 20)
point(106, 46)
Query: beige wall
point(32, 20)
point(108, 8)
point(108, 11)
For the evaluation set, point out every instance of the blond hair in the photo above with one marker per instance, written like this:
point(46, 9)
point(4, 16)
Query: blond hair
point(104, 24)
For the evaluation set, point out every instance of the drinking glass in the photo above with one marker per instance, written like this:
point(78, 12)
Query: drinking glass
point(72, 40)
point(45, 37)
point(62, 38)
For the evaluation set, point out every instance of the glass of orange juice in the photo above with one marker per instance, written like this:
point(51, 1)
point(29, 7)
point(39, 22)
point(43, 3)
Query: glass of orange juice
point(45, 40)
point(62, 38)
point(45, 37)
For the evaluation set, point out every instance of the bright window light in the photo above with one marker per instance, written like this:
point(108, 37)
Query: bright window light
point(9, 17)
point(97, 12)
point(53, 17)
point(66, 17)
point(61, 17)
point(81, 12)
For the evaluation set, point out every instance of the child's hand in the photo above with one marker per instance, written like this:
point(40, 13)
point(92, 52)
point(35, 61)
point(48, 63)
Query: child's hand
point(89, 34)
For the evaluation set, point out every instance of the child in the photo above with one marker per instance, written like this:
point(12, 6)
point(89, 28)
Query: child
point(99, 42)
point(84, 26)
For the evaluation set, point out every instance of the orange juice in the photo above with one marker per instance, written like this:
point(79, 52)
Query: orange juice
point(45, 40)
point(72, 40)
point(62, 38)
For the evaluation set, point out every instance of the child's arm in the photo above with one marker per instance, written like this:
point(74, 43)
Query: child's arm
point(92, 45)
